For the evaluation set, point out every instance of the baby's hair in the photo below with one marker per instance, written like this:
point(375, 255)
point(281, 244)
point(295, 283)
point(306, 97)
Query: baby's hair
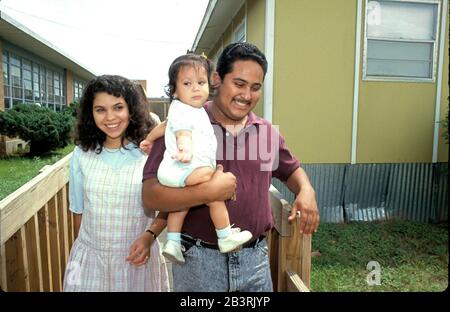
point(190, 59)
point(88, 136)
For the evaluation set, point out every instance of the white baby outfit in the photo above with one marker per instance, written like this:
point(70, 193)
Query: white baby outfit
point(182, 116)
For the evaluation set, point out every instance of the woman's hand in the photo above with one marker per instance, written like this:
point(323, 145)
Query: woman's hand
point(140, 250)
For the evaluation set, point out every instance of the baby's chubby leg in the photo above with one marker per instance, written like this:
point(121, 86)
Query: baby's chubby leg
point(199, 175)
point(217, 210)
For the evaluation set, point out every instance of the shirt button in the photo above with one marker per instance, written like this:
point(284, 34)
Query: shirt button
point(227, 134)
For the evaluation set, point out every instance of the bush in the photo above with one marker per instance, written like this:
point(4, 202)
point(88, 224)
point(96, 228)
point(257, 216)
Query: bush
point(43, 129)
point(71, 110)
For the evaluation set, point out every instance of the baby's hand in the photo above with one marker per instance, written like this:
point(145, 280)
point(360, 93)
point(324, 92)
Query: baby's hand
point(146, 146)
point(183, 154)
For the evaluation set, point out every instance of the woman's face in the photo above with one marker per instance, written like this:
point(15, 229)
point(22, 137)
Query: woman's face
point(111, 116)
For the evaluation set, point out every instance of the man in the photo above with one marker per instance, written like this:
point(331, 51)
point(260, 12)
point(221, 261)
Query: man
point(242, 138)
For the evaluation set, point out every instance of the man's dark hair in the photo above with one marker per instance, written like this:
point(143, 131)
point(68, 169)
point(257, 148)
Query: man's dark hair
point(239, 51)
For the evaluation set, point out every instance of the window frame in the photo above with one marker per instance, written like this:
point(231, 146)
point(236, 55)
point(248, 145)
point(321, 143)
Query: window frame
point(434, 42)
point(42, 66)
point(242, 25)
point(78, 85)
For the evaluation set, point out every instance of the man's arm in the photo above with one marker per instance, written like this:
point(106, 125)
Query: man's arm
point(167, 199)
point(305, 201)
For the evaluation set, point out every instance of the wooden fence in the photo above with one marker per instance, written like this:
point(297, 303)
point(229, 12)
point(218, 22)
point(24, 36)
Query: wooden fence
point(289, 251)
point(37, 234)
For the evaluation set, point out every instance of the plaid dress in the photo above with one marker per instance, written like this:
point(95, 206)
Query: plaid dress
point(113, 218)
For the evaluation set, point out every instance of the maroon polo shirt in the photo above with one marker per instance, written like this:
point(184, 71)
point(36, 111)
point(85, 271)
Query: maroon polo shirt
point(257, 154)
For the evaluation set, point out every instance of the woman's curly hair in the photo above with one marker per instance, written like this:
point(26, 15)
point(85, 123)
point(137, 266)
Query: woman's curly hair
point(88, 136)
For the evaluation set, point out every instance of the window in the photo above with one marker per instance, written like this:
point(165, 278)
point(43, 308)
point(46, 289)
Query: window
point(239, 32)
point(216, 57)
point(26, 81)
point(400, 40)
point(78, 87)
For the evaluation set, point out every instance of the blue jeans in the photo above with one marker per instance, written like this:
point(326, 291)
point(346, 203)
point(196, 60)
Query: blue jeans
point(209, 270)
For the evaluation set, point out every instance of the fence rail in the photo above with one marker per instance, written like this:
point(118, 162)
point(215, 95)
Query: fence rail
point(289, 251)
point(37, 234)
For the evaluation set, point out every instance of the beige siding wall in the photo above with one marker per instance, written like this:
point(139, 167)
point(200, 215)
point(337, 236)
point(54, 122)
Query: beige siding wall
point(313, 77)
point(255, 34)
point(395, 122)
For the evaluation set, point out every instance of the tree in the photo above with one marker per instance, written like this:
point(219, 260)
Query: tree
point(43, 129)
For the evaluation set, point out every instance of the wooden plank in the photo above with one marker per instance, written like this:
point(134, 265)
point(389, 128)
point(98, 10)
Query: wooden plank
point(63, 229)
point(305, 255)
point(14, 263)
point(272, 242)
point(294, 283)
point(44, 244)
point(53, 234)
point(25, 260)
point(299, 252)
point(70, 228)
point(33, 252)
point(3, 278)
point(294, 249)
point(280, 211)
point(20, 206)
point(282, 263)
point(69, 220)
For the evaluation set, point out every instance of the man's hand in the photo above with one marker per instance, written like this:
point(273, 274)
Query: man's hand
point(306, 204)
point(222, 185)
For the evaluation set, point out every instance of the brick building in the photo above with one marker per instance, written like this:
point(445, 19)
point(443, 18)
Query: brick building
point(35, 71)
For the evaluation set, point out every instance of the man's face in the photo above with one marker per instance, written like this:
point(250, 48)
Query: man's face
point(240, 90)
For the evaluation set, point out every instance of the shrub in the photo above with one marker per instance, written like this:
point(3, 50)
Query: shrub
point(44, 129)
point(71, 109)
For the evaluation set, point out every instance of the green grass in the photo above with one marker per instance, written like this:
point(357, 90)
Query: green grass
point(17, 170)
point(412, 256)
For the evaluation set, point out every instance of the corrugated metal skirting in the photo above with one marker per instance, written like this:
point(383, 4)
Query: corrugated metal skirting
point(368, 192)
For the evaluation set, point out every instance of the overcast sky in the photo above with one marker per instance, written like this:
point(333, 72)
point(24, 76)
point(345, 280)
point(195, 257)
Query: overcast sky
point(134, 38)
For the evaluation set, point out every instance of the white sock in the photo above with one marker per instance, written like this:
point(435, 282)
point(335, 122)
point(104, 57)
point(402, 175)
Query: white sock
point(223, 233)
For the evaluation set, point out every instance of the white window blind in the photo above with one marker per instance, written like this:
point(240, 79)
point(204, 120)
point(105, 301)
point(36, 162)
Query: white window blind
point(400, 39)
